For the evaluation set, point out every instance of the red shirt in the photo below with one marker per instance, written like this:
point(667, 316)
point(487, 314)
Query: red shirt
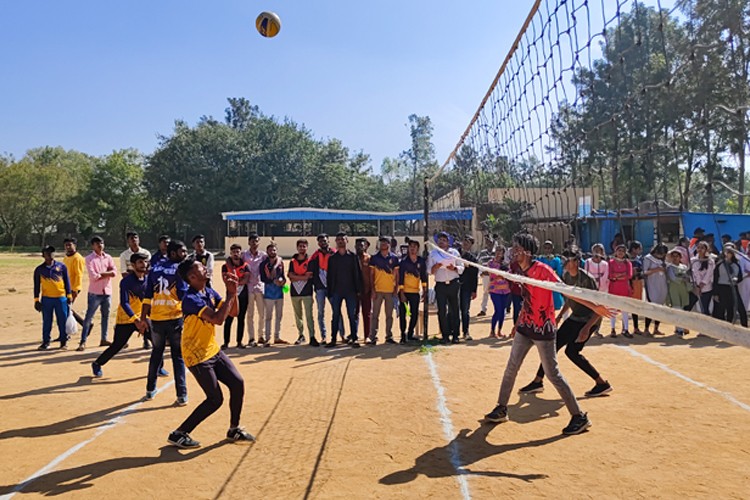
point(537, 318)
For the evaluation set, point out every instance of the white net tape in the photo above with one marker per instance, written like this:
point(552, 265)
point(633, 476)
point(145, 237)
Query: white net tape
point(712, 327)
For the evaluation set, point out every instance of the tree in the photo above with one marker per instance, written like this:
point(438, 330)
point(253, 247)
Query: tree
point(15, 198)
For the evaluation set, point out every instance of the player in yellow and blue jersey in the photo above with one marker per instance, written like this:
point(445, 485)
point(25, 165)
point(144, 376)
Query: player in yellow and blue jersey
point(132, 292)
point(51, 296)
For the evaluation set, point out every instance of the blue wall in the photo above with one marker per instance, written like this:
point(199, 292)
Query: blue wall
point(731, 224)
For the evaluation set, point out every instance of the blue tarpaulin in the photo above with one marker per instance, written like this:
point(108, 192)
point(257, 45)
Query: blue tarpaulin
point(718, 224)
point(319, 214)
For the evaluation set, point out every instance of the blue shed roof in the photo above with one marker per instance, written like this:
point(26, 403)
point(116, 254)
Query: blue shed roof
point(317, 214)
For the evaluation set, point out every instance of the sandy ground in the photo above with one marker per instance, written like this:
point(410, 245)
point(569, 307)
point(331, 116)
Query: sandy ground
point(365, 423)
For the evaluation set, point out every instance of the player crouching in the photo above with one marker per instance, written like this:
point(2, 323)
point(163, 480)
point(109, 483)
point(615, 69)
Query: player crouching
point(203, 308)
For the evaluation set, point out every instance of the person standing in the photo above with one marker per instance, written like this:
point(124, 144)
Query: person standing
point(101, 269)
point(483, 258)
point(702, 270)
point(469, 282)
point(161, 252)
point(727, 274)
point(76, 265)
point(132, 292)
point(536, 327)
point(575, 331)
point(620, 273)
point(319, 268)
point(253, 257)
point(598, 267)
point(499, 292)
point(240, 270)
point(548, 257)
point(203, 256)
point(134, 246)
point(364, 303)
point(272, 276)
point(636, 283)
point(203, 308)
point(654, 274)
point(412, 279)
point(302, 293)
point(51, 295)
point(344, 285)
point(443, 263)
point(679, 285)
point(162, 310)
point(516, 289)
point(384, 265)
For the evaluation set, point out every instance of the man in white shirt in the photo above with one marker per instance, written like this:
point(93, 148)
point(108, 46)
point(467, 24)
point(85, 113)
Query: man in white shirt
point(446, 268)
point(134, 246)
point(253, 256)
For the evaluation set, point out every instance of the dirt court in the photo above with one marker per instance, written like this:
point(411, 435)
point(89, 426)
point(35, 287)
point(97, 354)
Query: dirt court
point(378, 422)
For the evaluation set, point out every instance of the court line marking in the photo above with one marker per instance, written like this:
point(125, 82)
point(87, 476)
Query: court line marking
point(679, 375)
point(450, 435)
point(113, 422)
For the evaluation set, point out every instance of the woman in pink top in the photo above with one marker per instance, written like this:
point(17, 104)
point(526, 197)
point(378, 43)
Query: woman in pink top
point(499, 292)
point(620, 273)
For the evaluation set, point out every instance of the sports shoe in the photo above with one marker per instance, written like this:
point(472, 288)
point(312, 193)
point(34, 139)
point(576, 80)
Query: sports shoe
point(182, 440)
point(81, 347)
point(402, 341)
point(481, 313)
point(63, 346)
point(332, 343)
point(627, 334)
point(281, 342)
point(532, 388)
point(105, 343)
point(224, 347)
point(578, 424)
point(96, 368)
point(240, 345)
point(300, 340)
point(468, 337)
point(162, 372)
point(390, 340)
point(43, 347)
point(599, 390)
point(499, 414)
point(265, 343)
point(314, 342)
point(613, 333)
point(149, 395)
point(238, 434)
point(182, 401)
point(252, 344)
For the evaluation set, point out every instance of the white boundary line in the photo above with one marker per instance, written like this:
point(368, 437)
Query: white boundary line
point(679, 375)
point(445, 419)
point(71, 451)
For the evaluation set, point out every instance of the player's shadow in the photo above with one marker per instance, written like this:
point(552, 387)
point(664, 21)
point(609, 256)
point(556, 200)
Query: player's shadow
point(56, 356)
point(77, 423)
point(470, 447)
point(8, 347)
point(530, 408)
point(79, 478)
point(70, 387)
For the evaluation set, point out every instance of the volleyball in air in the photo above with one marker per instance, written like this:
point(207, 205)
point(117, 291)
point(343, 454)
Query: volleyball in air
point(268, 24)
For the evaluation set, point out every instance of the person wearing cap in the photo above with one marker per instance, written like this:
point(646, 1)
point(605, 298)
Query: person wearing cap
point(51, 296)
point(134, 246)
point(727, 274)
point(444, 264)
point(161, 252)
point(319, 268)
point(101, 269)
point(469, 280)
point(384, 265)
point(203, 256)
point(254, 256)
point(128, 319)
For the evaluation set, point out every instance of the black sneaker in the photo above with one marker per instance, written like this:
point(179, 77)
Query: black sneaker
point(314, 342)
point(578, 424)
point(43, 347)
point(332, 343)
point(390, 340)
point(455, 340)
point(532, 388)
point(499, 414)
point(182, 440)
point(402, 341)
point(354, 344)
point(238, 434)
point(599, 390)
point(300, 340)
point(96, 368)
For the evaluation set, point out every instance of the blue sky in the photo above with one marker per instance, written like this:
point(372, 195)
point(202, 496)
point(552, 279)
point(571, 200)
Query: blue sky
point(99, 76)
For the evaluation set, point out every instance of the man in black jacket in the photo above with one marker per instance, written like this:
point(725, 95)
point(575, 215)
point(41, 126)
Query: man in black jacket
point(469, 281)
point(344, 284)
